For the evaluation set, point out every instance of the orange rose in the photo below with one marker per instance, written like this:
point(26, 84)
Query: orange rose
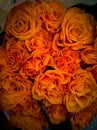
point(15, 55)
point(40, 40)
point(28, 69)
point(57, 113)
point(95, 45)
point(28, 116)
point(10, 62)
point(15, 91)
point(51, 13)
point(20, 22)
point(49, 86)
point(89, 55)
point(2, 54)
point(57, 44)
point(84, 117)
point(82, 91)
point(68, 61)
point(77, 29)
point(93, 71)
point(36, 64)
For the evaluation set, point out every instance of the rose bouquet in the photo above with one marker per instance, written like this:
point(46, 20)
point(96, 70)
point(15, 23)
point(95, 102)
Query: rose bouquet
point(48, 64)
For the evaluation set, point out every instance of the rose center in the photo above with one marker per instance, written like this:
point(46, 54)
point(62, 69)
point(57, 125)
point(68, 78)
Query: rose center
point(75, 32)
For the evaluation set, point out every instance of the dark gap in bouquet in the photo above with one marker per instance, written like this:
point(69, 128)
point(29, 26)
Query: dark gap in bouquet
point(92, 9)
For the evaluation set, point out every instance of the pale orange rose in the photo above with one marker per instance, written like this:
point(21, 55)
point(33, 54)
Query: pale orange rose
point(15, 91)
point(21, 23)
point(77, 29)
point(49, 86)
point(28, 116)
point(82, 91)
point(57, 113)
point(89, 55)
point(51, 13)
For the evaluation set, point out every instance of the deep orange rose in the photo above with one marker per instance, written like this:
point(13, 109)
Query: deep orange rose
point(82, 91)
point(28, 116)
point(20, 22)
point(15, 91)
point(84, 117)
point(49, 86)
point(57, 113)
point(77, 29)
